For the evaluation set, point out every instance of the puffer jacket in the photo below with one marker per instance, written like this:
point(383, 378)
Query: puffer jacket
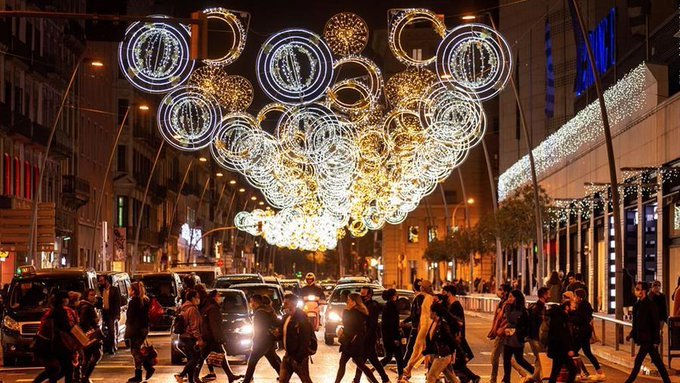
point(192, 319)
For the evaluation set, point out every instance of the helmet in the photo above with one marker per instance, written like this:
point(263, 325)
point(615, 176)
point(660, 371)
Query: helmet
point(310, 276)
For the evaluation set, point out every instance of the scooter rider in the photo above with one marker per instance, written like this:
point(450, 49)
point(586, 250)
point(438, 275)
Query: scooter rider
point(312, 288)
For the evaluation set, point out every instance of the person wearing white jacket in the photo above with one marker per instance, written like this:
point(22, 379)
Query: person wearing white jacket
point(423, 327)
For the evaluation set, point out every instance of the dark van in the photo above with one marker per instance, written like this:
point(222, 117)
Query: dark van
point(28, 299)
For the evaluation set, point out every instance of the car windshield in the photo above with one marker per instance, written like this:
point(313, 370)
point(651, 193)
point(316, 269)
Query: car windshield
point(340, 294)
point(225, 282)
point(270, 292)
point(162, 289)
point(234, 303)
point(35, 292)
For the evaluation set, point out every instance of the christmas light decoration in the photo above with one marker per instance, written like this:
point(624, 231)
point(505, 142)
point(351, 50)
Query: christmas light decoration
point(238, 30)
point(399, 19)
point(346, 34)
point(154, 57)
point(188, 117)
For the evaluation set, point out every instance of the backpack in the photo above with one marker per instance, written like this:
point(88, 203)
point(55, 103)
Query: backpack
point(179, 324)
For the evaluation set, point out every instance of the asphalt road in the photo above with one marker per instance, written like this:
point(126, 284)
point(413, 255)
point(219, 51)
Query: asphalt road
point(118, 368)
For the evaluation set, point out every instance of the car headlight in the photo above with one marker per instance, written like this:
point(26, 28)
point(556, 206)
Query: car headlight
point(334, 317)
point(300, 304)
point(245, 329)
point(11, 324)
point(311, 298)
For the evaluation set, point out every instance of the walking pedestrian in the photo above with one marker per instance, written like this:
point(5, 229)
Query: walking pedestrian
point(583, 317)
point(575, 283)
point(110, 307)
point(414, 319)
point(89, 322)
point(212, 334)
point(391, 334)
point(676, 299)
point(645, 333)
point(425, 321)
point(502, 292)
point(203, 297)
point(536, 313)
point(659, 299)
point(298, 338)
point(440, 345)
point(137, 329)
point(50, 347)
point(372, 333)
point(264, 342)
point(560, 343)
point(352, 337)
point(514, 330)
point(191, 339)
point(463, 352)
point(555, 286)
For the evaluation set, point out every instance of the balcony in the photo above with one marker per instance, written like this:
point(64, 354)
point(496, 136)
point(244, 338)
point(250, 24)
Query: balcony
point(76, 191)
point(146, 236)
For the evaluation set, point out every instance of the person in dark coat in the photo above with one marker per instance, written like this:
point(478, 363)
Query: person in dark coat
point(296, 333)
point(464, 351)
point(352, 336)
point(440, 346)
point(264, 342)
point(89, 322)
point(413, 319)
point(137, 329)
point(560, 342)
point(659, 299)
point(514, 333)
point(645, 333)
point(48, 347)
point(212, 333)
point(110, 306)
point(391, 334)
point(583, 315)
point(372, 333)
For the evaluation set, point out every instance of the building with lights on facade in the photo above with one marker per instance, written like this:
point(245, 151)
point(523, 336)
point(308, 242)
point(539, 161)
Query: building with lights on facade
point(636, 51)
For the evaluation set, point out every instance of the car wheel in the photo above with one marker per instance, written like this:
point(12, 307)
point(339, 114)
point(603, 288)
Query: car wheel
point(329, 340)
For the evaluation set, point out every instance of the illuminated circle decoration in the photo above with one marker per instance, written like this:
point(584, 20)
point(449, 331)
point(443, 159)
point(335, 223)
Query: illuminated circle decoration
point(475, 57)
point(211, 79)
point(188, 117)
point(237, 94)
point(239, 31)
point(368, 88)
point(294, 65)
point(402, 18)
point(154, 57)
point(405, 89)
point(346, 34)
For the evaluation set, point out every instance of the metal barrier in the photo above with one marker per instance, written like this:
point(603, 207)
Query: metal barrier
point(619, 325)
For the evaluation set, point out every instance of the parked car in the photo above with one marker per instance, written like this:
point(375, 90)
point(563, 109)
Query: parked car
point(166, 287)
point(28, 299)
point(236, 324)
point(274, 292)
point(328, 285)
point(291, 285)
point(207, 273)
point(272, 279)
point(225, 281)
point(345, 280)
point(122, 281)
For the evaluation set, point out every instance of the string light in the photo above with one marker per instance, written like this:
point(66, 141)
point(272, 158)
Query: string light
point(346, 34)
point(238, 30)
point(188, 117)
point(400, 19)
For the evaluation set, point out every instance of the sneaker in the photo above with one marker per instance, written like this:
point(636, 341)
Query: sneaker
point(179, 378)
point(209, 378)
point(598, 377)
point(583, 378)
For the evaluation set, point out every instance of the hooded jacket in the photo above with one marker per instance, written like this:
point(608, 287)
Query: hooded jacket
point(192, 319)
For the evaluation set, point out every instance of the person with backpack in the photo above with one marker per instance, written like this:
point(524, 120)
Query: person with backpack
point(352, 337)
point(583, 331)
point(559, 341)
point(89, 322)
point(187, 325)
point(212, 333)
point(137, 329)
point(264, 343)
point(536, 312)
point(514, 331)
point(299, 341)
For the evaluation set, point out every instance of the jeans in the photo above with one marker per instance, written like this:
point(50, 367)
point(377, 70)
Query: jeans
point(290, 366)
point(255, 357)
point(496, 351)
point(92, 355)
point(438, 365)
point(372, 357)
point(394, 350)
point(653, 351)
point(560, 361)
point(361, 366)
point(136, 351)
point(193, 354)
point(585, 346)
point(518, 353)
point(536, 348)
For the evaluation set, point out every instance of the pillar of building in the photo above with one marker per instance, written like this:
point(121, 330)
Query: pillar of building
point(591, 252)
point(665, 284)
point(640, 235)
point(579, 240)
point(568, 244)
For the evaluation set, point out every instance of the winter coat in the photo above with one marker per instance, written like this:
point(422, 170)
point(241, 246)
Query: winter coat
point(441, 342)
point(390, 323)
point(211, 323)
point(582, 317)
point(137, 322)
point(425, 320)
point(89, 320)
point(645, 322)
point(192, 321)
point(264, 320)
point(536, 312)
point(414, 316)
point(353, 338)
point(298, 332)
point(374, 310)
point(560, 341)
point(661, 305)
point(516, 318)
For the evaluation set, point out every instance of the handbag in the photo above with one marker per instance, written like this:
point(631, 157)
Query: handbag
point(215, 359)
point(156, 311)
point(149, 353)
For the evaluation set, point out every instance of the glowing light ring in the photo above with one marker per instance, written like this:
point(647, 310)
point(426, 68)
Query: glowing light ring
point(229, 144)
point(279, 66)
point(187, 118)
point(154, 57)
point(475, 57)
point(298, 122)
point(239, 31)
point(346, 34)
point(369, 89)
point(401, 19)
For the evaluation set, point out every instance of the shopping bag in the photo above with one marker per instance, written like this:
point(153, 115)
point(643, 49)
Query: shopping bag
point(215, 359)
point(149, 354)
point(546, 365)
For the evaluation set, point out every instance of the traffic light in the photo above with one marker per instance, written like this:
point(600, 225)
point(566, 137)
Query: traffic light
point(199, 36)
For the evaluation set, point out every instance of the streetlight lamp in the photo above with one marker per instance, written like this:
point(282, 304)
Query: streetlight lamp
point(469, 201)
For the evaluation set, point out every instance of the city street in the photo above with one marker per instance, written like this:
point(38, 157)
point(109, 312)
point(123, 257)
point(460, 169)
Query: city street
point(118, 368)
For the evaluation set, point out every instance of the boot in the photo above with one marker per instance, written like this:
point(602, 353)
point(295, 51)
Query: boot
point(137, 378)
point(149, 370)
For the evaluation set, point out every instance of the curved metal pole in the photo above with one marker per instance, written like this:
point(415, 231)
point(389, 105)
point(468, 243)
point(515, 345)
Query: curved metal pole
point(141, 213)
point(616, 199)
point(100, 200)
point(231, 202)
point(467, 224)
point(33, 234)
point(198, 211)
point(494, 200)
point(233, 251)
point(179, 193)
